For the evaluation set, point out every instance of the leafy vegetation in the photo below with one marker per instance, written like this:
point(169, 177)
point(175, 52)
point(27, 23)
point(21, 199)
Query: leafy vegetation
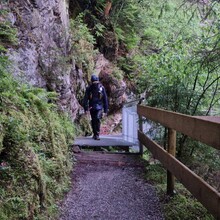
point(34, 155)
point(170, 49)
point(173, 57)
point(182, 205)
point(166, 49)
point(8, 34)
point(173, 42)
point(35, 160)
point(126, 20)
point(82, 45)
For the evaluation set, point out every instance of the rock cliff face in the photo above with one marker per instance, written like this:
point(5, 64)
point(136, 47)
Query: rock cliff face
point(43, 56)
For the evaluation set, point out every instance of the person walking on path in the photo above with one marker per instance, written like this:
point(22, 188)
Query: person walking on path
point(96, 101)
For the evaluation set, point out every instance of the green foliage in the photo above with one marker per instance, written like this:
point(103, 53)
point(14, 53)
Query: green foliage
point(156, 174)
point(127, 22)
point(35, 160)
point(174, 57)
point(174, 49)
point(151, 36)
point(203, 160)
point(99, 29)
point(34, 151)
point(117, 73)
point(182, 205)
point(83, 43)
point(171, 65)
point(8, 34)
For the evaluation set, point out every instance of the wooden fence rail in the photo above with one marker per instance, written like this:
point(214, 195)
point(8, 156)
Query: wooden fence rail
point(202, 130)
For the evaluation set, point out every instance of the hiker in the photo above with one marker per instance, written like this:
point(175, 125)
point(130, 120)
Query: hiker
point(96, 101)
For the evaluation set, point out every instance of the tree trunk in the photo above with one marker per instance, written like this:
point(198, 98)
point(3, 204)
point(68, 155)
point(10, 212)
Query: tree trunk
point(107, 8)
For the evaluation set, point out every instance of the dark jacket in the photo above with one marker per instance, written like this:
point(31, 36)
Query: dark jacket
point(95, 97)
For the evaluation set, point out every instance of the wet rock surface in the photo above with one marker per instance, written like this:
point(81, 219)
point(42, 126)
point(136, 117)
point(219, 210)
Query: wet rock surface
point(42, 56)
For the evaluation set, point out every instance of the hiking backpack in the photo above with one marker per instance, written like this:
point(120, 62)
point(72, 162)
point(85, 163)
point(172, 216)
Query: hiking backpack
point(96, 92)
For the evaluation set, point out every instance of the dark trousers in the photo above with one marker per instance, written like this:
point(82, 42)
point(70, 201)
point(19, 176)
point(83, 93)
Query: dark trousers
point(96, 116)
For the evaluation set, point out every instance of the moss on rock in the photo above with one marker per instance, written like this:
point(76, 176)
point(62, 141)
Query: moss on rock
point(34, 152)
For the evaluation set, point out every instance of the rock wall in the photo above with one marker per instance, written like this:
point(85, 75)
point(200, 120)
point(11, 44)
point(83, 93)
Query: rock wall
point(42, 57)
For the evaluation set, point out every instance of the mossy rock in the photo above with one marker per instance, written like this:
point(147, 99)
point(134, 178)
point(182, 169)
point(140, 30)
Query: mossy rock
point(34, 146)
point(85, 125)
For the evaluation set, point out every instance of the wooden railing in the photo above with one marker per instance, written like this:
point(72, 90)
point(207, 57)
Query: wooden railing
point(198, 128)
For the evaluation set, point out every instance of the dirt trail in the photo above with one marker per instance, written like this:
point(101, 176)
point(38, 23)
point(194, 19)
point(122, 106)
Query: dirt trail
point(110, 192)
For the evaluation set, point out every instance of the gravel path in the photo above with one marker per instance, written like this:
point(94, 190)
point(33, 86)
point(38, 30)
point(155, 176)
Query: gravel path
point(110, 193)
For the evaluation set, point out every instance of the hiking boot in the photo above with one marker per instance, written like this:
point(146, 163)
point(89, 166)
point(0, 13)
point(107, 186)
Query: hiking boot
point(96, 137)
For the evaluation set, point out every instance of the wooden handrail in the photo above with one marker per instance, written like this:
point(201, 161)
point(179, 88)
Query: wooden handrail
point(208, 132)
point(202, 130)
point(206, 194)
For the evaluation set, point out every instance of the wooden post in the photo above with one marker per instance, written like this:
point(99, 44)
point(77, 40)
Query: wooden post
point(171, 150)
point(140, 119)
point(141, 129)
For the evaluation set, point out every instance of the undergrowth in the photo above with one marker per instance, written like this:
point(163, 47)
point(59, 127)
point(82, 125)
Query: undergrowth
point(82, 45)
point(8, 34)
point(35, 161)
point(182, 206)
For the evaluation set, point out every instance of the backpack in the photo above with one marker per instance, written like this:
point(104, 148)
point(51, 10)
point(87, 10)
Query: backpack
point(96, 92)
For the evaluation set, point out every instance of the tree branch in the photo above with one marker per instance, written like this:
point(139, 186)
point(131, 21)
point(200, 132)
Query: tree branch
point(108, 7)
point(203, 93)
point(212, 103)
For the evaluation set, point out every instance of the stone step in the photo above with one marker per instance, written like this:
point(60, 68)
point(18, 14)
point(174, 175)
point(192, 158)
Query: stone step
point(116, 159)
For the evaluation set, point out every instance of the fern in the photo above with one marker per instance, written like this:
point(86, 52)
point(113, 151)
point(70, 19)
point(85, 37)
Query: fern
point(8, 34)
point(82, 44)
point(34, 149)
